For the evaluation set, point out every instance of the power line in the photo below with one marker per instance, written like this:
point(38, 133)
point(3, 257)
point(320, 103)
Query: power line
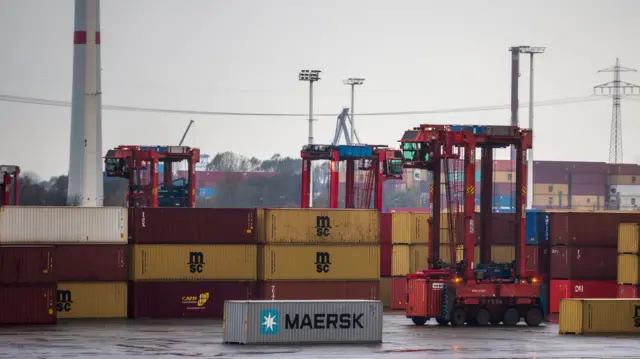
point(57, 103)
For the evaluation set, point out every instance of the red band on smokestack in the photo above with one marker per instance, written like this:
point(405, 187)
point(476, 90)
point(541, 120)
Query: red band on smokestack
point(80, 37)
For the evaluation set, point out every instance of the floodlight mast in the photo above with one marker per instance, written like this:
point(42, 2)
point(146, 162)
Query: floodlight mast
point(310, 76)
point(353, 81)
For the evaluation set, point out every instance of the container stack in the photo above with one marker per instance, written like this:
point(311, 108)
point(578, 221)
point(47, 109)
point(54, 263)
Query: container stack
point(315, 254)
point(186, 262)
point(629, 260)
point(583, 255)
point(539, 251)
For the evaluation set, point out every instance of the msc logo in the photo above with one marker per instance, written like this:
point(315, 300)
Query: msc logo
point(323, 262)
point(196, 262)
point(636, 316)
point(323, 226)
point(269, 320)
point(64, 300)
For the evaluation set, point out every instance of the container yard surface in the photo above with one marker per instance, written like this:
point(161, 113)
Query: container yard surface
point(202, 338)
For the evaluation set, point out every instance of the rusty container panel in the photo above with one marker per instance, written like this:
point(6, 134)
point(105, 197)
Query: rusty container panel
point(385, 291)
point(319, 290)
point(597, 229)
point(628, 291)
point(201, 299)
point(91, 263)
point(386, 259)
point(193, 226)
point(92, 300)
point(321, 226)
point(417, 293)
point(628, 269)
point(629, 238)
point(33, 304)
point(418, 257)
point(584, 263)
point(399, 293)
point(27, 264)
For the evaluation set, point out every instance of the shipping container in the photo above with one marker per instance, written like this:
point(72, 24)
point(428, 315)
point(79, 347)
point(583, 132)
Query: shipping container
point(598, 229)
point(628, 291)
point(319, 262)
point(586, 202)
point(561, 289)
point(559, 200)
point(400, 260)
point(28, 304)
point(27, 264)
point(587, 178)
point(599, 316)
point(538, 227)
point(629, 238)
point(91, 300)
point(624, 180)
point(404, 227)
point(399, 293)
point(550, 188)
point(51, 225)
point(628, 269)
point(319, 290)
point(504, 176)
point(584, 189)
point(583, 263)
point(385, 291)
point(194, 262)
point(624, 169)
point(625, 202)
point(193, 226)
point(538, 259)
point(386, 255)
point(588, 167)
point(297, 322)
point(557, 177)
point(418, 257)
point(625, 190)
point(90, 263)
point(201, 299)
point(321, 225)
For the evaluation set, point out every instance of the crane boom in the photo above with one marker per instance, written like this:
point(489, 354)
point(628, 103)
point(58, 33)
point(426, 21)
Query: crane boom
point(185, 133)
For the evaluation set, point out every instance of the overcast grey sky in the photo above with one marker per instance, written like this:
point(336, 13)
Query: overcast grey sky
point(244, 55)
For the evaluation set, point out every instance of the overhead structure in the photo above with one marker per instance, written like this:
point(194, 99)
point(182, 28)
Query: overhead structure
point(310, 76)
point(353, 81)
point(139, 164)
point(350, 137)
point(9, 185)
point(616, 89)
point(86, 187)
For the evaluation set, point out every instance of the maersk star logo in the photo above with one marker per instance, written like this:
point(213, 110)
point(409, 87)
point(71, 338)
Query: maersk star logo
point(269, 321)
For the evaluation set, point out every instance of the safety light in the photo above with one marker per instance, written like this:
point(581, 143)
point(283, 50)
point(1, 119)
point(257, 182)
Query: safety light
point(456, 280)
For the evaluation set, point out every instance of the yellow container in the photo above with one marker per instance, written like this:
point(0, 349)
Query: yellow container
point(624, 179)
point(599, 316)
point(319, 262)
point(92, 300)
point(385, 291)
point(409, 228)
point(586, 202)
point(629, 238)
point(504, 177)
point(194, 262)
point(445, 253)
point(320, 226)
point(400, 260)
point(550, 188)
point(418, 257)
point(628, 270)
point(502, 253)
point(552, 200)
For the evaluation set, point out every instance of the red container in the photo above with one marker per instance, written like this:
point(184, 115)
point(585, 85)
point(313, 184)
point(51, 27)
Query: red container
point(598, 189)
point(185, 299)
point(417, 305)
point(27, 264)
point(588, 167)
point(580, 289)
point(502, 165)
point(624, 169)
point(193, 226)
point(28, 304)
point(386, 254)
point(584, 263)
point(306, 290)
point(593, 178)
point(386, 227)
point(538, 260)
point(628, 291)
point(596, 229)
point(89, 263)
point(399, 293)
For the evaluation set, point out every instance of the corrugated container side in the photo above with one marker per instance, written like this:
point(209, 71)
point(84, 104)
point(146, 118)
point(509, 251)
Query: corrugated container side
point(35, 304)
point(194, 226)
point(599, 316)
point(194, 262)
point(588, 202)
point(386, 255)
point(401, 260)
point(234, 331)
point(92, 300)
point(628, 291)
point(399, 293)
point(624, 179)
point(629, 238)
point(420, 228)
point(202, 299)
point(401, 230)
point(598, 229)
point(502, 254)
point(598, 190)
point(586, 263)
point(51, 225)
point(560, 200)
point(550, 188)
point(589, 178)
point(385, 291)
point(538, 259)
point(558, 177)
point(386, 228)
point(560, 289)
point(418, 257)
point(319, 290)
point(320, 262)
point(27, 264)
point(89, 263)
point(628, 269)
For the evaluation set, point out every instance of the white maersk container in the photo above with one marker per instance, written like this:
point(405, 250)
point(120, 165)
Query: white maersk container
point(38, 224)
point(302, 321)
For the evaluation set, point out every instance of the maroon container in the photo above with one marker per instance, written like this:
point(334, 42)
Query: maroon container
point(386, 227)
point(584, 263)
point(91, 262)
point(399, 293)
point(598, 178)
point(550, 177)
point(386, 254)
point(588, 190)
point(186, 299)
point(319, 290)
point(596, 229)
point(27, 264)
point(624, 169)
point(588, 167)
point(35, 304)
point(193, 226)
point(537, 259)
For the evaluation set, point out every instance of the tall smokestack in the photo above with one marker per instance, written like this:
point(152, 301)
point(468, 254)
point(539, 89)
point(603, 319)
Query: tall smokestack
point(85, 159)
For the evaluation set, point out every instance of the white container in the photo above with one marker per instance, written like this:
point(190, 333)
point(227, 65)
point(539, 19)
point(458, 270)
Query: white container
point(302, 321)
point(51, 225)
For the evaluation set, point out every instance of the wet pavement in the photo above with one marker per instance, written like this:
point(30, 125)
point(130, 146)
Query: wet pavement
point(203, 339)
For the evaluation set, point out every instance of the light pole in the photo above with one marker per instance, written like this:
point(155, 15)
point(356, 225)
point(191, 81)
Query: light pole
point(311, 76)
point(353, 82)
point(531, 51)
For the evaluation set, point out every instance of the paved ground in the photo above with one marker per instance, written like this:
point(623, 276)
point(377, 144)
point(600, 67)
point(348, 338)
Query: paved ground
point(202, 339)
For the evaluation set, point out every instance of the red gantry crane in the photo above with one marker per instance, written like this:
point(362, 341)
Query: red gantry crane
point(466, 292)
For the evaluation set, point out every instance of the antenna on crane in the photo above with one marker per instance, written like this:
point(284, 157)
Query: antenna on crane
point(191, 122)
point(341, 128)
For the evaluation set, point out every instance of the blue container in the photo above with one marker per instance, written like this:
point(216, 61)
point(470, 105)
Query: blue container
point(355, 151)
point(206, 192)
point(478, 130)
point(544, 229)
point(544, 300)
point(478, 177)
point(160, 167)
point(537, 228)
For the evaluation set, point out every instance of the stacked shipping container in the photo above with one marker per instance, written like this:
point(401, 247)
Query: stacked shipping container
point(538, 250)
point(628, 260)
point(186, 262)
